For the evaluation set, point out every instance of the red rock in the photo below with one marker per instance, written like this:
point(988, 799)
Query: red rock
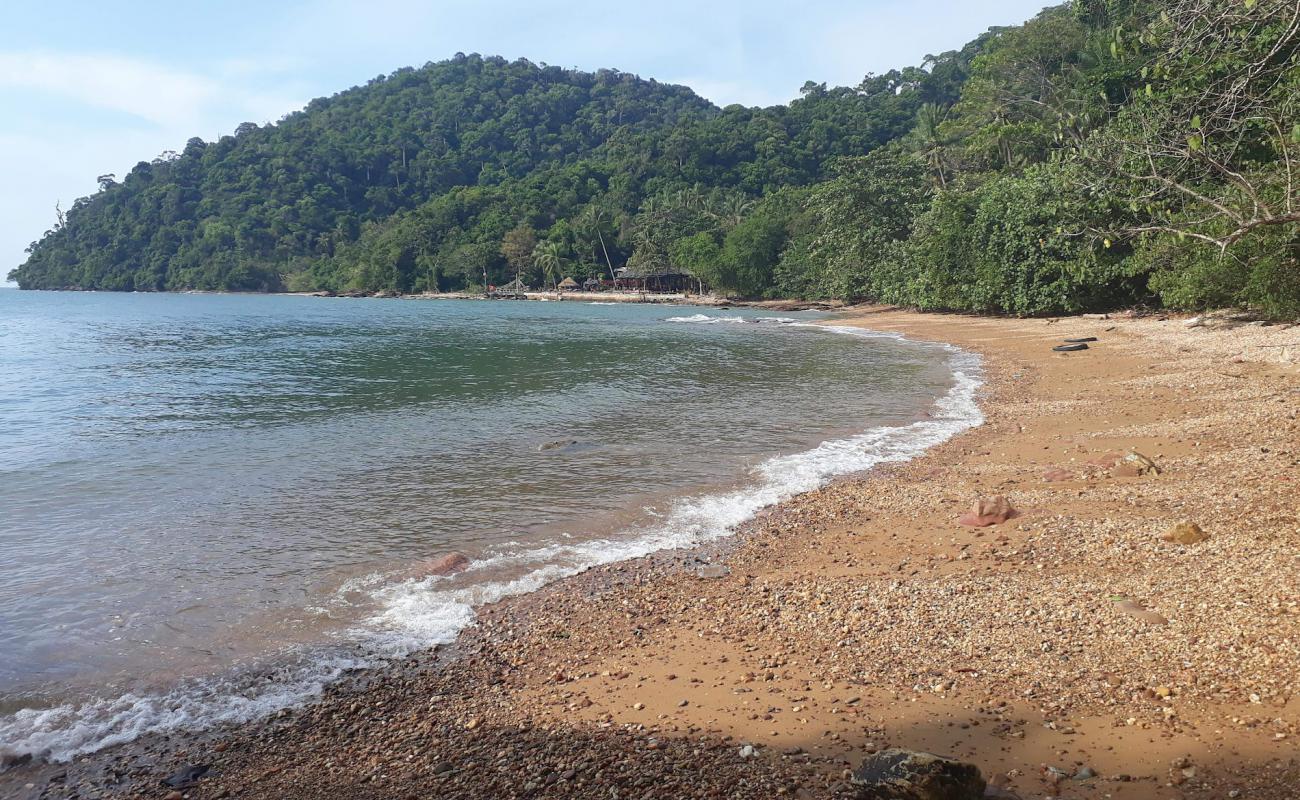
point(988, 511)
point(449, 564)
point(1107, 461)
point(1057, 474)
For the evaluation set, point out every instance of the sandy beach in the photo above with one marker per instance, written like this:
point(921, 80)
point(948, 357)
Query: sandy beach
point(1072, 651)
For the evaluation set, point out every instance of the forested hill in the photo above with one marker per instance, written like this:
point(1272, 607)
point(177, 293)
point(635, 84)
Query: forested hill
point(1105, 153)
point(411, 181)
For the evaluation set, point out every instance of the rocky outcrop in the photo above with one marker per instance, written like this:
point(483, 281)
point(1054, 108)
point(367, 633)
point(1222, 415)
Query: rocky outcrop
point(907, 775)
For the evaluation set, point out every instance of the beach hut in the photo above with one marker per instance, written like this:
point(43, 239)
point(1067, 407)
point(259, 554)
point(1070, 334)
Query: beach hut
point(569, 285)
point(515, 290)
point(664, 279)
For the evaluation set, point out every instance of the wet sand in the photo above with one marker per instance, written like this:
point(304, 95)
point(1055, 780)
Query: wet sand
point(862, 616)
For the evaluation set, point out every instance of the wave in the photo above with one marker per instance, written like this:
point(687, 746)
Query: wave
point(419, 613)
point(705, 319)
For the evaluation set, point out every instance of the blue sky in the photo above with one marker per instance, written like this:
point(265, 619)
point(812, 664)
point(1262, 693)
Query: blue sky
point(93, 87)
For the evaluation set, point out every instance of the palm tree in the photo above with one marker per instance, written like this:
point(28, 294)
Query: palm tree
point(595, 220)
point(549, 258)
point(932, 143)
point(732, 208)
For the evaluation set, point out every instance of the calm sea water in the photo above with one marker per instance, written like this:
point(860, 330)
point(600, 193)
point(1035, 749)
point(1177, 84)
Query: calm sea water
point(210, 505)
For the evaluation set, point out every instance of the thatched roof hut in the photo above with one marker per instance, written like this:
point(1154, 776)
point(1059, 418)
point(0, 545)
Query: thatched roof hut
point(569, 284)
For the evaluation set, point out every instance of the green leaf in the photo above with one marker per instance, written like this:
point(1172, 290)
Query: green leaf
point(1194, 142)
point(1295, 133)
point(1196, 122)
point(1150, 93)
point(1250, 4)
point(1114, 50)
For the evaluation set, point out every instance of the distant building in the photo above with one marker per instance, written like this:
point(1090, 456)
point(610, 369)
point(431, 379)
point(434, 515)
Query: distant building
point(514, 289)
point(663, 279)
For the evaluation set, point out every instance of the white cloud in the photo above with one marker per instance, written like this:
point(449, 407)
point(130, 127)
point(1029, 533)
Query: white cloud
point(151, 91)
point(116, 83)
point(56, 139)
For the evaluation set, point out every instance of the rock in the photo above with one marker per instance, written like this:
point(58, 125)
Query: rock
point(9, 759)
point(1133, 465)
point(713, 571)
point(1057, 474)
point(186, 776)
point(1185, 533)
point(174, 795)
point(443, 767)
point(449, 564)
point(1107, 461)
point(906, 775)
point(1195, 322)
point(1135, 609)
point(988, 511)
point(1084, 773)
point(558, 444)
point(747, 751)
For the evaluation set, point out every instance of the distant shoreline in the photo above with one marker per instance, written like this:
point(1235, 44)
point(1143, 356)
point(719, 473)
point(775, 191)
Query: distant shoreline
point(611, 297)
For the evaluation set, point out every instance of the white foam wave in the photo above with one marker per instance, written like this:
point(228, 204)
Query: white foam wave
point(705, 319)
point(419, 613)
point(420, 608)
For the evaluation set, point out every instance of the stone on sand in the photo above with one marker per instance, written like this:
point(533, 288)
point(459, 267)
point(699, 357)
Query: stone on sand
point(1185, 533)
point(907, 775)
point(1133, 465)
point(1136, 610)
point(988, 511)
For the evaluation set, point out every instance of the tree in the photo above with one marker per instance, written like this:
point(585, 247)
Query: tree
point(549, 258)
point(517, 247)
point(931, 143)
point(1209, 147)
point(595, 222)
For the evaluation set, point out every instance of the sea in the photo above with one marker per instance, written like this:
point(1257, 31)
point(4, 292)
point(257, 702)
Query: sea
point(212, 506)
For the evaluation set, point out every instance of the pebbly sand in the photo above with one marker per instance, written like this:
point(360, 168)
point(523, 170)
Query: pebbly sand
point(862, 616)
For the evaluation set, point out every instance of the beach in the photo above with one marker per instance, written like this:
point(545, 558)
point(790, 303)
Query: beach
point(1070, 651)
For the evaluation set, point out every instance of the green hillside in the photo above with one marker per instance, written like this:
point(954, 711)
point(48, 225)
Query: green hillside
point(1106, 153)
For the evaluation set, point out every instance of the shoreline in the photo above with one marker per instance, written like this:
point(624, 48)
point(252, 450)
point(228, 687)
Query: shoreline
point(862, 616)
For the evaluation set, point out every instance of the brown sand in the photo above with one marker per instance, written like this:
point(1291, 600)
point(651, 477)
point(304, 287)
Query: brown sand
point(862, 616)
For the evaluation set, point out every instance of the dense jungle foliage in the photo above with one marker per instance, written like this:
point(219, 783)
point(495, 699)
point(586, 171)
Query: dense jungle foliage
point(1106, 153)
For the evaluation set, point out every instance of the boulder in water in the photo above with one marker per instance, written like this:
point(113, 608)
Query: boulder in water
point(449, 564)
point(907, 775)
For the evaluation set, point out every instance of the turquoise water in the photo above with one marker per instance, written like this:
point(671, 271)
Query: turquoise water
point(193, 487)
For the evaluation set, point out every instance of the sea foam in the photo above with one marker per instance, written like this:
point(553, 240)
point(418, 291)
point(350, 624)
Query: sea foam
point(419, 613)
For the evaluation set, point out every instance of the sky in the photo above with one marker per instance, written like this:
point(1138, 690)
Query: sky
point(92, 87)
